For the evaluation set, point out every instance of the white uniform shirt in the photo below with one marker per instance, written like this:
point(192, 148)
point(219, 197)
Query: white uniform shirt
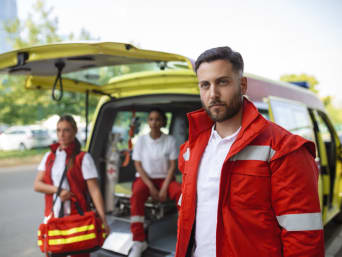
point(208, 187)
point(88, 170)
point(154, 154)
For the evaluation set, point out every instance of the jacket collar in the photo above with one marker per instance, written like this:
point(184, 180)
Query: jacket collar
point(252, 124)
point(199, 121)
point(69, 150)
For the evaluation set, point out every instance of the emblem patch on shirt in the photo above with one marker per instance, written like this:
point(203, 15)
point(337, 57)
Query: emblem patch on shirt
point(180, 200)
point(186, 155)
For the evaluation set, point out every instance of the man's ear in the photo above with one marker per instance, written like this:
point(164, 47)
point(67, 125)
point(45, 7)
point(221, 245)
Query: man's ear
point(243, 85)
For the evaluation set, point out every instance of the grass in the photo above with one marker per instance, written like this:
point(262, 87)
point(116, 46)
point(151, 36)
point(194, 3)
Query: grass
point(14, 158)
point(22, 154)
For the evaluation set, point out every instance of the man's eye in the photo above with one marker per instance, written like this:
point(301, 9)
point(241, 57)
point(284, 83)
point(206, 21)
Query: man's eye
point(204, 85)
point(223, 81)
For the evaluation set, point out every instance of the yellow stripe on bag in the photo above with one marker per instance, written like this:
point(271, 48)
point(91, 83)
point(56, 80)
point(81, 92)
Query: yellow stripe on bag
point(40, 242)
point(70, 240)
point(70, 231)
point(39, 233)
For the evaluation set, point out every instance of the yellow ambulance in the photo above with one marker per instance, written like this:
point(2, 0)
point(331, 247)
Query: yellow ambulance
point(130, 81)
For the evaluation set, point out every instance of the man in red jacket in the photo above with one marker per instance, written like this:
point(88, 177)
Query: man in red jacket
point(249, 186)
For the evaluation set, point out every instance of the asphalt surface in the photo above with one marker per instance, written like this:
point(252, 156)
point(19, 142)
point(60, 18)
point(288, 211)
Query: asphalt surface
point(333, 239)
point(21, 213)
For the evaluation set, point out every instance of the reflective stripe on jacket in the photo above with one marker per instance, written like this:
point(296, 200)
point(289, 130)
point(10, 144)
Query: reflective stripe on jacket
point(268, 201)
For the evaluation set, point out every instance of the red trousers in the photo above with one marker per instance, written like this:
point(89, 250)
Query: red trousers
point(140, 194)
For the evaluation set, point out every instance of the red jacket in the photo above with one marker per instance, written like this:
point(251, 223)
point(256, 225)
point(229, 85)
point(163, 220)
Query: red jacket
point(74, 176)
point(268, 201)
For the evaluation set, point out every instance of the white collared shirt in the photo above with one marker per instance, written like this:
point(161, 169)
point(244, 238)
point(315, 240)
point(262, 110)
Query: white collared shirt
point(154, 154)
point(208, 187)
point(88, 171)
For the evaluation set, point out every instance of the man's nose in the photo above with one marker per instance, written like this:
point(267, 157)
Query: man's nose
point(213, 91)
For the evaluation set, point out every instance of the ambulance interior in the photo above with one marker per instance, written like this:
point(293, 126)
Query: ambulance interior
point(118, 126)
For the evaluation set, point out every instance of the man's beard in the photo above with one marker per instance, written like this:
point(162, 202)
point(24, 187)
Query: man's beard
point(229, 110)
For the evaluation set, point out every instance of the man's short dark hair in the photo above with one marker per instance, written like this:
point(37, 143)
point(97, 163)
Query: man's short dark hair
point(221, 53)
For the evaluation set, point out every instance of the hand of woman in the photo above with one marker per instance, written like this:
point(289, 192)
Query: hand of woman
point(163, 194)
point(65, 195)
point(154, 193)
point(107, 228)
point(96, 196)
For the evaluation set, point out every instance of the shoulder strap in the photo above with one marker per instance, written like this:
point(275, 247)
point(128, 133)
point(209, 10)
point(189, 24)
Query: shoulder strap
point(59, 189)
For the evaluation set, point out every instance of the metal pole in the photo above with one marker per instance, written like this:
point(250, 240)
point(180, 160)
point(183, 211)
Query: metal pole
point(86, 114)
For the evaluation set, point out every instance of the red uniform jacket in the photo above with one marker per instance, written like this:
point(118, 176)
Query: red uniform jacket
point(74, 176)
point(268, 201)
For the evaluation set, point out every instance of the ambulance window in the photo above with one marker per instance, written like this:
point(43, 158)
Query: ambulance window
point(293, 117)
point(323, 128)
point(122, 123)
point(327, 134)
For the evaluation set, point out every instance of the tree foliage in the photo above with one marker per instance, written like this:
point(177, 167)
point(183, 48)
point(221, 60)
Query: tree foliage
point(311, 80)
point(334, 112)
point(21, 106)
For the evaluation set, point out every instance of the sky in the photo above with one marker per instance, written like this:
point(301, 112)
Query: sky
point(275, 37)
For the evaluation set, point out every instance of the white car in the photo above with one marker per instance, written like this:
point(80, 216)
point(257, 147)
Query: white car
point(24, 137)
point(3, 127)
point(53, 135)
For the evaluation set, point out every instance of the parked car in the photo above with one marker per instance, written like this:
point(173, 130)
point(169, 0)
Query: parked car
point(24, 137)
point(3, 127)
point(167, 81)
point(53, 135)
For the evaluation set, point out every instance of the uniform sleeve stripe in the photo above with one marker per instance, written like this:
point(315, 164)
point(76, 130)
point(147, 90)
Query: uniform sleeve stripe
point(255, 152)
point(180, 200)
point(301, 222)
point(137, 219)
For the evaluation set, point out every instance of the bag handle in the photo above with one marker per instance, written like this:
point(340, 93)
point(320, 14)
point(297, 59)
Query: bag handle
point(59, 189)
point(78, 207)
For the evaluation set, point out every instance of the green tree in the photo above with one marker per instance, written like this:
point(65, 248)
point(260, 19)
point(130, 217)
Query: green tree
point(334, 112)
point(311, 80)
point(21, 106)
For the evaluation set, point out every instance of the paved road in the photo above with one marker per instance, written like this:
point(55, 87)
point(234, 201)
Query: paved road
point(333, 239)
point(20, 212)
point(22, 209)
